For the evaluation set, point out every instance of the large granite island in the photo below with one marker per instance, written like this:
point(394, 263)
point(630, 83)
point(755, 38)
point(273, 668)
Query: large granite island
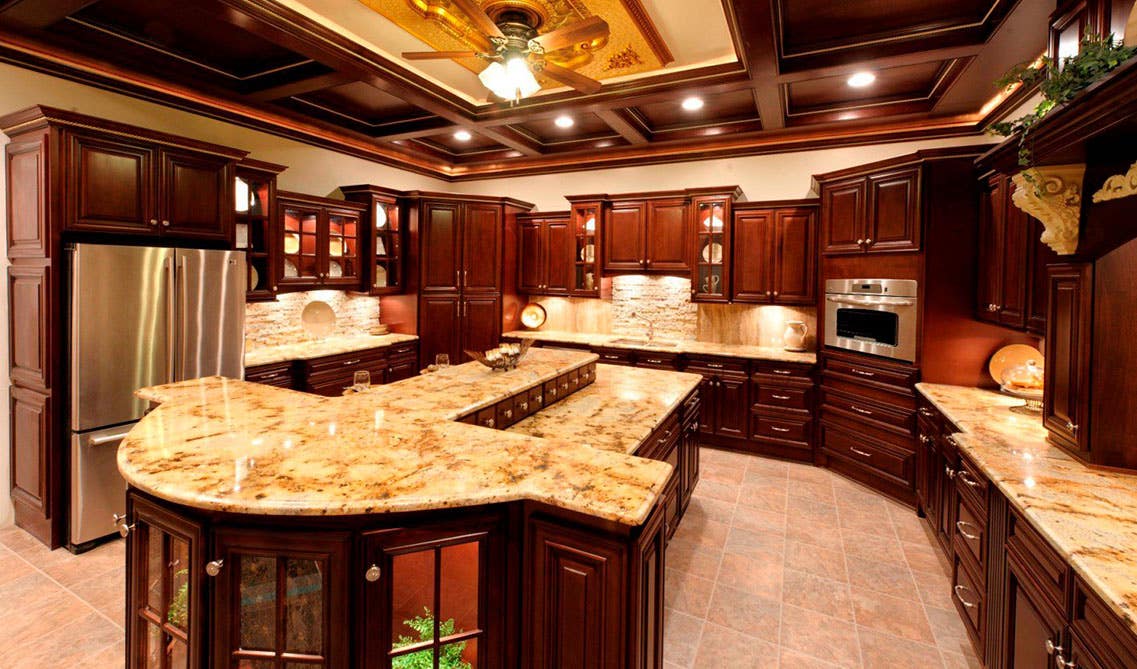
point(512, 519)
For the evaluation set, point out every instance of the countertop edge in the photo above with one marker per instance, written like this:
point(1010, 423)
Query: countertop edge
point(747, 351)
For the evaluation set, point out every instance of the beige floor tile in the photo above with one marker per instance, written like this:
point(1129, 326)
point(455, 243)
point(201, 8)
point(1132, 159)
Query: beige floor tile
point(949, 631)
point(899, 617)
point(884, 651)
point(66, 645)
point(813, 532)
point(923, 557)
point(693, 559)
point(705, 508)
point(882, 546)
point(934, 589)
point(721, 647)
point(111, 657)
point(809, 591)
point(763, 496)
point(816, 560)
point(801, 472)
point(687, 594)
point(710, 534)
point(681, 634)
point(716, 490)
point(960, 660)
point(721, 473)
point(742, 612)
point(817, 491)
point(791, 659)
point(884, 577)
point(767, 468)
point(69, 569)
point(757, 545)
point(761, 577)
point(12, 567)
point(717, 456)
point(820, 636)
point(757, 520)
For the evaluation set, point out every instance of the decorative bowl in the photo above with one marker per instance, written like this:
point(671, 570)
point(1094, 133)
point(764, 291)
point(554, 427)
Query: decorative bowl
point(504, 357)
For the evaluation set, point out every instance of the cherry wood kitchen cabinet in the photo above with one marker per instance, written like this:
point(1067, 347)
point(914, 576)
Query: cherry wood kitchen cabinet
point(647, 232)
point(782, 409)
point(319, 241)
point(330, 375)
point(774, 253)
point(140, 187)
point(725, 393)
point(667, 244)
point(255, 231)
point(1005, 262)
point(585, 228)
point(382, 238)
point(74, 177)
point(712, 265)
point(1066, 395)
point(624, 237)
point(545, 261)
point(873, 212)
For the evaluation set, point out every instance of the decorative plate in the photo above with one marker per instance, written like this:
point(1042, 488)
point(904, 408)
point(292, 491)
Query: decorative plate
point(588, 253)
point(292, 243)
point(533, 315)
point(712, 253)
point(290, 270)
point(318, 318)
point(335, 270)
point(380, 276)
point(335, 248)
point(1014, 355)
point(380, 218)
point(254, 278)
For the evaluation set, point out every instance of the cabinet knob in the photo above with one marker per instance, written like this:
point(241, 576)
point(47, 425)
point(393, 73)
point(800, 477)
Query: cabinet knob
point(373, 573)
point(213, 567)
point(124, 529)
point(949, 472)
point(775, 293)
point(1071, 427)
point(165, 223)
point(489, 422)
point(508, 413)
point(868, 242)
point(153, 221)
point(860, 242)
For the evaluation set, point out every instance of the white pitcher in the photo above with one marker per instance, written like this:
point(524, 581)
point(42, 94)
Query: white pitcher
point(793, 339)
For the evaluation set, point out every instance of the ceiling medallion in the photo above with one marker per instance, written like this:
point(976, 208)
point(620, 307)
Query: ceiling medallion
point(623, 59)
point(1053, 195)
point(1118, 185)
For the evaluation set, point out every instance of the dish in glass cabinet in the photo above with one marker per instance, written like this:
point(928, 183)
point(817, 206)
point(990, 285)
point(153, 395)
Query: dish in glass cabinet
point(335, 248)
point(335, 270)
point(380, 218)
point(380, 276)
point(380, 247)
point(290, 270)
point(533, 315)
point(318, 318)
point(588, 253)
point(254, 278)
point(241, 191)
point(712, 253)
point(292, 243)
point(590, 224)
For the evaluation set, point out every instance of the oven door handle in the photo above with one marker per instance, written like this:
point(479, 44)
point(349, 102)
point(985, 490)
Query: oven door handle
point(871, 303)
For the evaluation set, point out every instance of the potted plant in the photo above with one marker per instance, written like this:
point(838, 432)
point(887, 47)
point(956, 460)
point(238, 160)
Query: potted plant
point(451, 656)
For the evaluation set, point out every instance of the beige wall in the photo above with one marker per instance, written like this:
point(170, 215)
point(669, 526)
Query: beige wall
point(320, 172)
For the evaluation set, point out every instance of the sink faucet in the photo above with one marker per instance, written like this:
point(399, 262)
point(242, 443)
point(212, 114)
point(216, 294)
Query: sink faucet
point(650, 326)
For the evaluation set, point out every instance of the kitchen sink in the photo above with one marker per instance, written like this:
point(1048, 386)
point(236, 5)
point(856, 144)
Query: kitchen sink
point(638, 341)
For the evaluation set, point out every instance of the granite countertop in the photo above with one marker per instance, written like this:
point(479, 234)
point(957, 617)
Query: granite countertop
point(620, 409)
point(318, 348)
point(682, 346)
point(227, 445)
point(1088, 515)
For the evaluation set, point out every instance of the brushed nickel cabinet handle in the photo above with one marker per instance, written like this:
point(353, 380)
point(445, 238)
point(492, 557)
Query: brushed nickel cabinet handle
point(373, 573)
point(925, 439)
point(1071, 426)
point(863, 412)
point(124, 528)
point(782, 372)
point(958, 590)
point(960, 524)
point(949, 472)
point(714, 365)
point(860, 242)
point(858, 451)
point(868, 242)
point(775, 428)
point(654, 361)
point(966, 478)
point(859, 372)
point(213, 568)
point(926, 412)
point(538, 399)
point(779, 397)
point(349, 363)
point(153, 221)
point(1051, 648)
point(165, 223)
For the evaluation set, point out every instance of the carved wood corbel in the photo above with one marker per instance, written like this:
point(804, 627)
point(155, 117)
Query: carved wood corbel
point(1053, 195)
point(1118, 186)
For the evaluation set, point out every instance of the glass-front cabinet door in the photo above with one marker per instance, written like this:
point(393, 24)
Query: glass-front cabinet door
point(281, 600)
point(425, 603)
point(299, 244)
point(712, 249)
point(386, 274)
point(586, 219)
point(343, 265)
point(163, 600)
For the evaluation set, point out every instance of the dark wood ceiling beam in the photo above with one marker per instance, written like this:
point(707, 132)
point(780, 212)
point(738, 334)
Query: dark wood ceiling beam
point(916, 57)
point(414, 128)
point(514, 139)
point(621, 121)
point(39, 13)
point(755, 22)
point(306, 85)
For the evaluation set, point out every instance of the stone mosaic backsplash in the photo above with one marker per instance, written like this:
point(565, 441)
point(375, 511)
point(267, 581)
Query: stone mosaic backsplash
point(278, 322)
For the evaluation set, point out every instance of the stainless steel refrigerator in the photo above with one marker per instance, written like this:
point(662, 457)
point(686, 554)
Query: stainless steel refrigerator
point(140, 316)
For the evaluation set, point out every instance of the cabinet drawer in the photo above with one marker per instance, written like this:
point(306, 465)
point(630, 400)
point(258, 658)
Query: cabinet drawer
point(713, 365)
point(1106, 640)
point(487, 417)
point(784, 371)
point(883, 416)
point(587, 374)
point(536, 399)
point(409, 350)
point(397, 370)
point(505, 414)
point(279, 375)
point(892, 462)
point(522, 406)
point(360, 359)
point(781, 427)
point(656, 360)
point(897, 378)
point(968, 595)
point(781, 397)
point(614, 356)
point(971, 482)
point(1048, 572)
point(665, 438)
point(971, 533)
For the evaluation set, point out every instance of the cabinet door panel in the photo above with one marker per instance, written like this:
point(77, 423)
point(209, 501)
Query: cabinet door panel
point(440, 251)
point(481, 325)
point(668, 228)
point(1029, 624)
point(112, 188)
point(794, 278)
point(733, 406)
point(30, 429)
point(196, 196)
point(1066, 393)
point(531, 258)
point(481, 248)
point(342, 245)
point(843, 217)
point(1015, 266)
point(624, 239)
point(751, 251)
point(439, 323)
point(894, 212)
point(1041, 256)
point(992, 222)
point(559, 261)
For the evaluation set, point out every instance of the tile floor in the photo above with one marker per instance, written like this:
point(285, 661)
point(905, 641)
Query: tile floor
point(776, 564)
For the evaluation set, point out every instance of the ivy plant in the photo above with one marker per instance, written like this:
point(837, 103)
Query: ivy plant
point(451, 656)
point(1058, 83)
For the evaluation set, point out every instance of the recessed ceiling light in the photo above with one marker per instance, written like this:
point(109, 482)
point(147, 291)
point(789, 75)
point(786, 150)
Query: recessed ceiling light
point(861, 79)
point(463, 135)
point(693, 104)
point(564, 122)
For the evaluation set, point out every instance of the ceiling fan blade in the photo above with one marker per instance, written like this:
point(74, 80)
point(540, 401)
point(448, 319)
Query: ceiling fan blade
point(481, 20)
point(570, 78)
point(587, 30)
point(437, 55)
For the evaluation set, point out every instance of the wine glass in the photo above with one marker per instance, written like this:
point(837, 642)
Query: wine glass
point(362, 380)
point(442, 360)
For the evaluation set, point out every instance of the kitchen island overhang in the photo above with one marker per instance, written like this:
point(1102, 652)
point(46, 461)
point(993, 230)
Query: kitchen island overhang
point(364, 515)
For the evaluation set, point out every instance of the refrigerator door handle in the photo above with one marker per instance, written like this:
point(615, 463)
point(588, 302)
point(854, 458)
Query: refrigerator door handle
point(178, 324)
point(171, 320)
point(107, 438)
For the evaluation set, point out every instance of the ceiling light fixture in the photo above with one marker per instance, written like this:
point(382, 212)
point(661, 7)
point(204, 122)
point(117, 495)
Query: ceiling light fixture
point(511, 81)
point(564, 121)
point(693, 103)
point(463, 135)
point(861, 79)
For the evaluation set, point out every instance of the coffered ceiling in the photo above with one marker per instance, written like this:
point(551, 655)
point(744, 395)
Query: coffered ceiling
point(772, 74)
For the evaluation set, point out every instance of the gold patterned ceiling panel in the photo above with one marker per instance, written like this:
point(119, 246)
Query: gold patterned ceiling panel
point(633, 46)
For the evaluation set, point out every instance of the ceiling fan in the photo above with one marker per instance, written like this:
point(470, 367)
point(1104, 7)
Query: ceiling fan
point(519, 51)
